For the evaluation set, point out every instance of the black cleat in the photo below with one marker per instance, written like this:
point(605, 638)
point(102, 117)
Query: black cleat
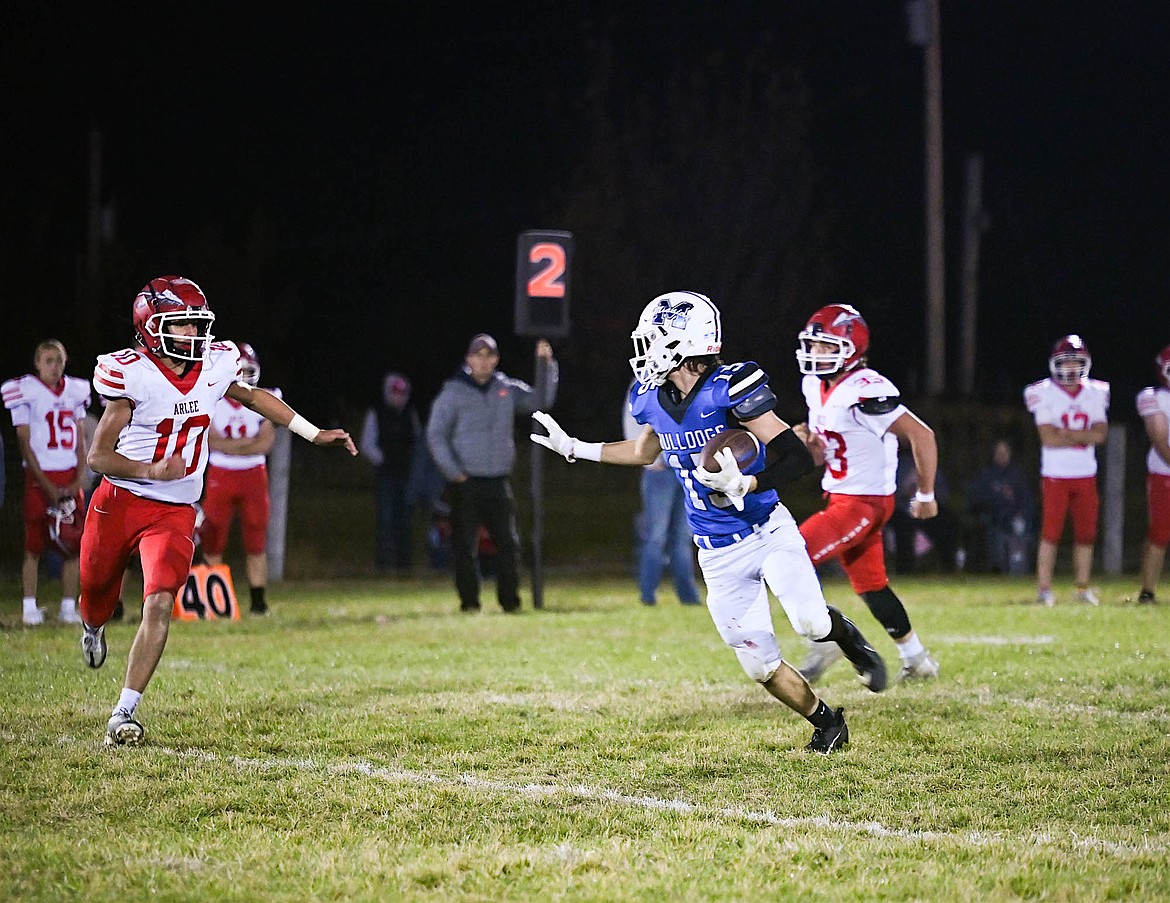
point(1146, 598)
point(870, 668)
point(826, 739)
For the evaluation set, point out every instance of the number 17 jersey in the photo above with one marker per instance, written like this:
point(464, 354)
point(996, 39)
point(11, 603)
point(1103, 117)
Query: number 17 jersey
point(171, 414)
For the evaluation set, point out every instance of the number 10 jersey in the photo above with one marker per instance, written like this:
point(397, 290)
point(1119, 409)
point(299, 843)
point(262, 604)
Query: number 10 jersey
point(172, 414)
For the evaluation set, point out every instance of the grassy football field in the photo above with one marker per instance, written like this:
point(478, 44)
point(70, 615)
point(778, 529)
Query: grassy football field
point(367, 742)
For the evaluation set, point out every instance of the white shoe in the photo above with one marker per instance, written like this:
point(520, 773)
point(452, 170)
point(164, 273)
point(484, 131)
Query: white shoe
point(920, 667)
point(1045, 598)
point(1088, 596)
point(821, 656)
point(68, 614)
point(33, 617)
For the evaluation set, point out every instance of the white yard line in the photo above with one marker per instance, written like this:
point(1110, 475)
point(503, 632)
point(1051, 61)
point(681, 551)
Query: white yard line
point(974, 839)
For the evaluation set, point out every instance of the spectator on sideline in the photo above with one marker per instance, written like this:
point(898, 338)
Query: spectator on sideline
point(856, 421)
point(684, 395)
point(390, 435)
point(1071, 413)
point(1002, 500)
point(237, 481)
point(664, 536)
point(47, 409)
point(470, 435)
point(151, 450)
point(1153, 405)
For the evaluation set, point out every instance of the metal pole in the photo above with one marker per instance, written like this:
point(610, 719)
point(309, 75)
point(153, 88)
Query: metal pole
point(278, 470)
point(935, 265)
point(537, 461)
point(1114, 507)
point(972, 229)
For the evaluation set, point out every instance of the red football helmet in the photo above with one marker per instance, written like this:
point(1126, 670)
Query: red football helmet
point(841, 326)
point(1163, 362)
point(65, 523)
point(1070, 361)
point(249, 364)
point(171, 300)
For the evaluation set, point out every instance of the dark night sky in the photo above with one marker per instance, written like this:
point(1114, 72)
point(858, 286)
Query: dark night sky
point(391, 155)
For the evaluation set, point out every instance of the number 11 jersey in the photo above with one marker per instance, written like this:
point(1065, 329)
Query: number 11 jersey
point(172, 414)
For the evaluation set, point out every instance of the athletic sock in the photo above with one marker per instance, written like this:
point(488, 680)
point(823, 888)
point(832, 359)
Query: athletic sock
point(911, 648)
point(258, 603)
point(128, 701)
point(30, 604)
point(823, 716)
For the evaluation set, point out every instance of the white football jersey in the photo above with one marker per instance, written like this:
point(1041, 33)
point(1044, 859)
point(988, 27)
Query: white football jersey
point(1052, 404)
point(53, 415)
point(861, 455)
point(235, 421)
point(172, 414)
point(1154, 400)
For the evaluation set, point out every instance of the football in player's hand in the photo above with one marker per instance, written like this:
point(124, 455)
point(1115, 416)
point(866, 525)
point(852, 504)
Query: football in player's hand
point(743, 445)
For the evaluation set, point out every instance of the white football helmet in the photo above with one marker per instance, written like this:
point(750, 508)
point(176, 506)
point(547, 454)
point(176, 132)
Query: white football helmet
point(672, 328)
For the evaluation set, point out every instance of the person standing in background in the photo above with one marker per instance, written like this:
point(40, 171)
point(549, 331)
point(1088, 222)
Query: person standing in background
point(1153, 404)
point(1071, 413)
point(663, 532)
point(47, 411)
point(390, 433)
point(470, 435)
point(237, 481)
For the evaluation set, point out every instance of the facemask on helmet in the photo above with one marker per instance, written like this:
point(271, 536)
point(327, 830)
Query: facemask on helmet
point(65, 526)
point(1162, 362)
point(169, 302)
point(249, 365)
point(843, 330)
point(1070, 361)
point(672, 328)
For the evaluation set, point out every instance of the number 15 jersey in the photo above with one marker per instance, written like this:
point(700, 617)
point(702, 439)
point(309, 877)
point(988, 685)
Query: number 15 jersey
point(171, 414)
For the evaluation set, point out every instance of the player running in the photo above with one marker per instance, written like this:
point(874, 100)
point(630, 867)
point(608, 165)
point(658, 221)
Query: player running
point(856, 419)
point(151, 449)
point(683, 395)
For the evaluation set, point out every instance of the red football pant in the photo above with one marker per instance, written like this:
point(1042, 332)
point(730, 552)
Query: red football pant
point(36, 521)
point(227, 491)
point(1061, 497)
point(1158, 502)
point(119, 523)
point(851, 528)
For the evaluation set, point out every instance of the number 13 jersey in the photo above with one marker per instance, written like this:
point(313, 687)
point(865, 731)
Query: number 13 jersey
point(861, 455)
point(171, 414)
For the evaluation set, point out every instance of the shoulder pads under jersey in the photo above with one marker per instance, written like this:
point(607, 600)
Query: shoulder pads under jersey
point(880, 405)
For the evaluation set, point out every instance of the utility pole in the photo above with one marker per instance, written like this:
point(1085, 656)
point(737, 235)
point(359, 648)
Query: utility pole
point(973, 226)
point(923, 21)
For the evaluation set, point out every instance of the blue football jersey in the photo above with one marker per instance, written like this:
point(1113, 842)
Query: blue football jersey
point(684, 426)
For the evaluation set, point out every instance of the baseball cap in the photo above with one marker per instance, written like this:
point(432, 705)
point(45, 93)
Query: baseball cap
point(481, 341)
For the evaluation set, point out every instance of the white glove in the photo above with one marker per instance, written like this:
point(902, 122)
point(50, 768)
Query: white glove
point(557, 439)
point(727, 480)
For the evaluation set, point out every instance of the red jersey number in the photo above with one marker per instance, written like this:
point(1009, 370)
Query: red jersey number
point(835, 458)
point(62, 430)
point(173, 440)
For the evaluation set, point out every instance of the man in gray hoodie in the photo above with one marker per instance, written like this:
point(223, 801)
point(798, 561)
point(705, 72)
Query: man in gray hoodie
point(470, 435)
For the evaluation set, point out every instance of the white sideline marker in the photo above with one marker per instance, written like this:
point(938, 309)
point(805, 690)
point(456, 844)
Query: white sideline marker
point(727, 813)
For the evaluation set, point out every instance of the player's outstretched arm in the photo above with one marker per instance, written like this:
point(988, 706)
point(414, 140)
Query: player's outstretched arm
point(279, 412)
point(640, 451)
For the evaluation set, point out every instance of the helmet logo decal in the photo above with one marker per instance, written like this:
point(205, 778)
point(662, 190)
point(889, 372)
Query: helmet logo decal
point(675, 315)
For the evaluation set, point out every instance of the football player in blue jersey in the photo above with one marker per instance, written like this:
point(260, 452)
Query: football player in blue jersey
point(748, 542)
